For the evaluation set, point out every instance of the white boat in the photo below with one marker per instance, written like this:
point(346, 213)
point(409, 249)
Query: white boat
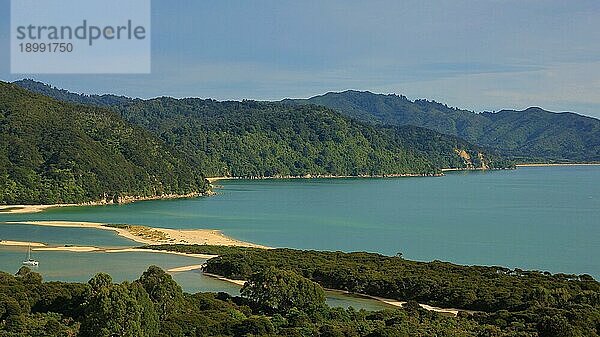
point(30, 262)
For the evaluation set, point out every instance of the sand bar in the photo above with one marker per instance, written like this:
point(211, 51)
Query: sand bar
point(76, 249)
point(20, 209)
point(222, 278)
point(185, 268)
point(396, 303)
point(143, 250)
point(21, 243)
point(154, 236)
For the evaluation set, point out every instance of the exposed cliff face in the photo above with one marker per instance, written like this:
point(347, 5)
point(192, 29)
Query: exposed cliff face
point(466, 157)
point(481, 163)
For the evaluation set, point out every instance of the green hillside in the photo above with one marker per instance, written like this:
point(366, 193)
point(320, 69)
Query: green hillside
point(56, 152)
point(530, 135)
point(258, 139)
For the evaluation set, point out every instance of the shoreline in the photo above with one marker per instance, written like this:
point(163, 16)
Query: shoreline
point(474, 169)
point(556, 164)
point(388, 301)
point(144, 250)
point(151, 235)
point(21, 243)
point(328, 176)
point(22, 209)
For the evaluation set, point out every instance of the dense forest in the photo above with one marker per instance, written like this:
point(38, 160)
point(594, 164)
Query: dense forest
point(530, 135)
point(515, 301)
point(257, 139)
point(57, 152)
point(273, 302)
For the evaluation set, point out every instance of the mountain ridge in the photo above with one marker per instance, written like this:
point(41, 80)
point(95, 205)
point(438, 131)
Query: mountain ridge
point(206, 129)
point(529, 135)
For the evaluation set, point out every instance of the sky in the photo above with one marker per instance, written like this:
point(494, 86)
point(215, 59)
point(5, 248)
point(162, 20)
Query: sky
point(481, 55)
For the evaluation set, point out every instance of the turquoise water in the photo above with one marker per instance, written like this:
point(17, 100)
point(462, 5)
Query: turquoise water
point(543, 218)
point(80, 267)
point(59, 236)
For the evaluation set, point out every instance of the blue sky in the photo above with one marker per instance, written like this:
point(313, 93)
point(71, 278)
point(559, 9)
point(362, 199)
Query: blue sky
point(479, 55)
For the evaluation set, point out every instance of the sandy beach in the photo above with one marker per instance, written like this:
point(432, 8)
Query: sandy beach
point(21, 243)
point(155, 236)
point(215, 179)
point(21, 209)
point(396, 303)
point(185, 268)
point(129, 250)
point(558, 164)
point(222, 278)
point(74, 249)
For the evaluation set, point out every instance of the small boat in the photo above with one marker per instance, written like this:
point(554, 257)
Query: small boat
point(30, 262)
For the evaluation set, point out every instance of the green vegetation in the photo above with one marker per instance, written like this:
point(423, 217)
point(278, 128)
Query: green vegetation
point(254, 139)
point(56, 152)
point(264, 139)
point(283, 290)
point(155, 306)
point(530, 135)
point(512, 300)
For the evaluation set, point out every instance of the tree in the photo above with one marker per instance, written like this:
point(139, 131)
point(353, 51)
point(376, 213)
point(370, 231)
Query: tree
point(555, 326)
point(123, 310)
point(255, 326)
point(282, 290)
point(163, 291)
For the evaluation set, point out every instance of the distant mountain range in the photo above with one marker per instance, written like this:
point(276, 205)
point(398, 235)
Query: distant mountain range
point(531, 135)
point(91, 147)
point(257, 139)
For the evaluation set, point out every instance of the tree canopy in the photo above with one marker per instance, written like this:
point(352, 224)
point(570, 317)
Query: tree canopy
point(283, 290)
point(268, 139)
point(56, 152)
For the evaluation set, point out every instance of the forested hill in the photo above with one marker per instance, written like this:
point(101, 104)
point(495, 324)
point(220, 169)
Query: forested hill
point(530, 135)
point(255, 139)
point(258, 139)
point(57, 152)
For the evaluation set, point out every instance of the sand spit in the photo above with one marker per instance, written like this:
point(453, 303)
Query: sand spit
point(154, 236)
point(21, 243)
point(185, 268)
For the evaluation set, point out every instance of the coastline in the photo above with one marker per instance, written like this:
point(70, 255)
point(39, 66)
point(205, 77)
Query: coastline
point(22, 209)
point(328, 176)
point(21, 243)
point(471, 169)
point(388, 301)
point(151, 235)
point(556, 164)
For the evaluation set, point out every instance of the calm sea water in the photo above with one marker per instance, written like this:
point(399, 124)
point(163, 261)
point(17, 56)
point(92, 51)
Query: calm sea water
point(545, 218)
point(59, 236)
